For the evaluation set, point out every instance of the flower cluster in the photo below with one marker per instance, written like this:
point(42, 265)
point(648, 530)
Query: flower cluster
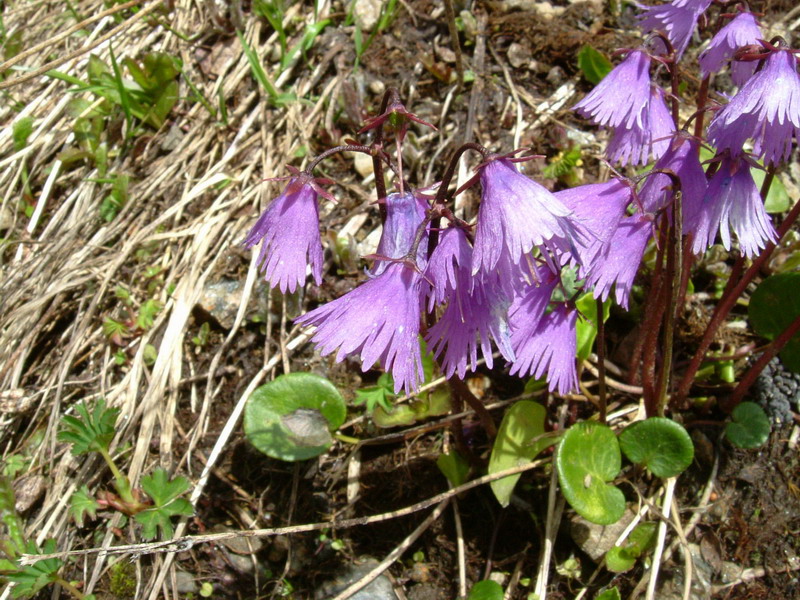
point(496, 286)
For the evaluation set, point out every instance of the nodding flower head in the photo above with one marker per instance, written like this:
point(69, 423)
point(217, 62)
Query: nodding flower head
point(743, 30)
point(378, 321)
point(648, 137)
point(733, 203)
point(676, 19)
point(405, 213)
point(476, 313)
point(546, 344)
point(766, 110)
point(621, 96)
point(515, 216)
point(288, 231)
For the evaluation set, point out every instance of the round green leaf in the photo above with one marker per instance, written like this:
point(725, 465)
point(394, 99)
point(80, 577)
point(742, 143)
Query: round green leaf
point(587, 458)
point(514, 444)
point(660, 444)
point(773, 307)
point(749, 427)
point(622, 558)
point(610, 594)
point(292, 417)
point(486, 590)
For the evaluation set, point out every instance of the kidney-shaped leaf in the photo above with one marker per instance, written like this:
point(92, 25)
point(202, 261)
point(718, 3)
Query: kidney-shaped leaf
point(587, 458)
point(292, 417)
point(660, 444)
point(515, 444)
point(749, 427)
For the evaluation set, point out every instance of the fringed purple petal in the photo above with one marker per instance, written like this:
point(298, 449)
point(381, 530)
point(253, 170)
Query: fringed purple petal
point(288, 231)
point(378, 320)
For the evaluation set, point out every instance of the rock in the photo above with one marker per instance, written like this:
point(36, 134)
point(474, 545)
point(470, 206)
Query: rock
point(363, 164)
point(377, 87)
point(380, 589)
point(518, 55)
point(366, 13)
point(426, 591)
point(185, 583)
point(545, 10)
point(221, 300)
point(595, 540)
point(27, 490)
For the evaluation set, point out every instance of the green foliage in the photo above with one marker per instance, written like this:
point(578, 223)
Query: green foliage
point(486, 590)
point(113, 202)
point(82, 503)
point(10, 520)
point(376, 395)
point(642, 539)
point(291, 418)
point(89, 432)
point(122, 579)
point(29, 580)
point(593, 64)
point(276, 98)
point(660, 444)
point(773, 307)
point(201, 339)
point(432, 403)
point(563, 165)
point(147, 313)
point(589, 456)
point(114, 330)
point(749, 426)
point(586, 326)
point(609, 594)
point(273, 11)
point(518, 441)
point(165, 495)
point(388, 10)
point(21, 131)
point(453, 466)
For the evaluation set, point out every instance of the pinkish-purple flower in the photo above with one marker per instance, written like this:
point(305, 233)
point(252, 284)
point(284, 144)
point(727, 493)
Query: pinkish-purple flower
point(404, 214)
point(515, 216)
point(378, 321)
point(598, 207)
point(475, 315)
point(766, 109)
point(733, 202)
point(682, 158)
point(743, 30)
point(616, 265)
point(621, 96)
point(676, 19)
point(289, 234)
point(545, 345)
point(635, 145)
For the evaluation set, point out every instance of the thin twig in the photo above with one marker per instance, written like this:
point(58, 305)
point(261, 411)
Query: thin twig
point(662, 534)
point(394, 554)
point(185, 542)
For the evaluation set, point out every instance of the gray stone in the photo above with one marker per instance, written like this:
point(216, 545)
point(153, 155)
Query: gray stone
point(595, 540)
point(380, 589)
point(221, 299)
point(185, 583)
point(366, 13)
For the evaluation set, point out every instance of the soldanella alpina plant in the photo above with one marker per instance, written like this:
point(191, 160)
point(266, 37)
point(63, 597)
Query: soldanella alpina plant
point(514, 281)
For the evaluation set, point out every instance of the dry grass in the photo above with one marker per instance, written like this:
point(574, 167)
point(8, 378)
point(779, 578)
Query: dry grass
point(189, 207)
